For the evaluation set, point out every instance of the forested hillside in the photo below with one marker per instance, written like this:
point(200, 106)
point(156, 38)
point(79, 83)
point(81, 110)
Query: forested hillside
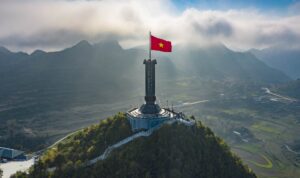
point(172, 151)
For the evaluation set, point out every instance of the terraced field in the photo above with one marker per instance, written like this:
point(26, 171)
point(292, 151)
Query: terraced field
point(257, 130)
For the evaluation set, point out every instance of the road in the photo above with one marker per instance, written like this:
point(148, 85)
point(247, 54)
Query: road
point(190, 103)
point(12, 167)
point(290, 150)
point(268, 91)
point(58, 141)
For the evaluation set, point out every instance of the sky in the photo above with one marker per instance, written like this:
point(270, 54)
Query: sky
point(264, 5)
point(26, 25)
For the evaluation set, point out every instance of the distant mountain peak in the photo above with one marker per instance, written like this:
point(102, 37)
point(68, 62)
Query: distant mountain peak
point(284, 59)
point(4, 50)
point(113, 44)
point(37, 52)
point(83, 43)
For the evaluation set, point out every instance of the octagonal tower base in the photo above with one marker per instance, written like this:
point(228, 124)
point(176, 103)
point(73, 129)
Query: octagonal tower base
point(139, 120)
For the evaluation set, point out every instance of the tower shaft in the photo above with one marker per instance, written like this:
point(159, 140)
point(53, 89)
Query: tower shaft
point(150, 81)
point(150, 107)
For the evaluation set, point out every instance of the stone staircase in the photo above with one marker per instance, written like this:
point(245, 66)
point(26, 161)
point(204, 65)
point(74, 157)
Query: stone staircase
point(122, 142)
point(133, 137)
point(129, 139)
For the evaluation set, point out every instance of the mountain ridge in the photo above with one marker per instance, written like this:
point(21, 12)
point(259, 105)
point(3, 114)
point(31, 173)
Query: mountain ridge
point(286, 60)
point(211, 56)
point(85, 75)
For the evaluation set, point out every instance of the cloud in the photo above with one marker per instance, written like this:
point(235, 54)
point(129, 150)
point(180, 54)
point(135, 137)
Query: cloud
point(214, 27)
point(294, 8)
point(55, 24)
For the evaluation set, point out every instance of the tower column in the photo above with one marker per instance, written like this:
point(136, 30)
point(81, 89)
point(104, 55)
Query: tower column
point(150, 81)
point(150, 107)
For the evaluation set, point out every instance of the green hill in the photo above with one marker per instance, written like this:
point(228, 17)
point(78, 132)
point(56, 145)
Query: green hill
point(172, 151)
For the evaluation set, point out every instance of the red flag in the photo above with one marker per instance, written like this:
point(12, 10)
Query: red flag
point(160, 44)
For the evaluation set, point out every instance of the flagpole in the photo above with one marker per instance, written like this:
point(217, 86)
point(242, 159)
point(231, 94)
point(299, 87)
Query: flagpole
point(150, 45)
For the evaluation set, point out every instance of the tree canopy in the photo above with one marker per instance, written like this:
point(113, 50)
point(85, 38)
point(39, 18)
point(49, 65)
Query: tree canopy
point(172, 151)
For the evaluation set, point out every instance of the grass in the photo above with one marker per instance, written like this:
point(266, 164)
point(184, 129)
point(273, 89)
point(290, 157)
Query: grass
point(269, 128)
point(265, 127)
point(268, 165)
point(182, 84)
point(249, 148)
point(255, 149)
point(237, 111)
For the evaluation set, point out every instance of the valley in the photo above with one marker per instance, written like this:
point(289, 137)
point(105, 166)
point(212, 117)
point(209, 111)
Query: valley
point(258, 129)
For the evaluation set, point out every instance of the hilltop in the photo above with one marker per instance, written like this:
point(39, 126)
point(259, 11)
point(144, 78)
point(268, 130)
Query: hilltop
point(173, 150)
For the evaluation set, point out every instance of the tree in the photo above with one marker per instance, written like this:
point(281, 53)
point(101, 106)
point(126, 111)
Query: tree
point(172, 151)
point(20, 175)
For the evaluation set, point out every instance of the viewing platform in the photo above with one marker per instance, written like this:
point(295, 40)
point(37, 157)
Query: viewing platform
point(139, 120)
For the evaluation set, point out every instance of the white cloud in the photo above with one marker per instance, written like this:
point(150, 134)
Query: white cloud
point(55, 24)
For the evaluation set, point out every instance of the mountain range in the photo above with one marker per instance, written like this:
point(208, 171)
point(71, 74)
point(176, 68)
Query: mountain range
point(43, 92)
point(284, 59)
point(107, 67)
point(87, 73)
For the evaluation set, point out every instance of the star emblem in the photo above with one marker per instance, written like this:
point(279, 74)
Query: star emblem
point(161, 45)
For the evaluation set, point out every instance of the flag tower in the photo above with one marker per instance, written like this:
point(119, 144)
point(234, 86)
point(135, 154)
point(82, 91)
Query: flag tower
point(150, 107)
point(150, 114)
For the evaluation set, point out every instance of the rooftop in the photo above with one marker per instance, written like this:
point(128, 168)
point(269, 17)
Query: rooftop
point(9, 153)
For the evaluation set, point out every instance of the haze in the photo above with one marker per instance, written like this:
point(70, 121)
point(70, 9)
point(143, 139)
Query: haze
point(56, 24)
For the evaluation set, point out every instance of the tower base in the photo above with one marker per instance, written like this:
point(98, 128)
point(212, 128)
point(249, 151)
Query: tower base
point(139, 120)
point(150, 109)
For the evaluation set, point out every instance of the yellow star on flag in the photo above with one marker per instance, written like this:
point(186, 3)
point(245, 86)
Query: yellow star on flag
point(161, 45)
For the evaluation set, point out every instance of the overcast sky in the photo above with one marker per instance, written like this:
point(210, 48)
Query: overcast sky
point(26, 25)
